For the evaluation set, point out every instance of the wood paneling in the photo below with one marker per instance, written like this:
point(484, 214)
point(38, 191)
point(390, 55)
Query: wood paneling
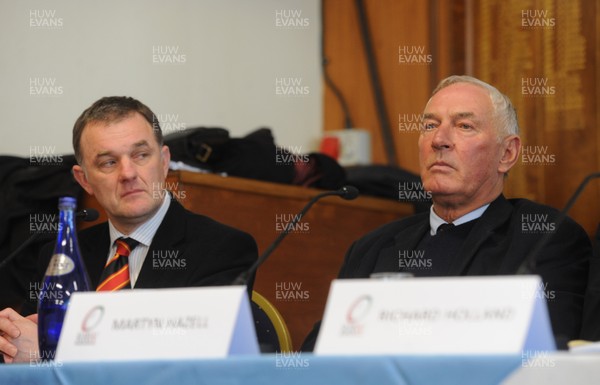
point(416, 43)
point(543, 55)
point(395, 26)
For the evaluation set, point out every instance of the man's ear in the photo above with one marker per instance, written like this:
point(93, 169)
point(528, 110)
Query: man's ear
point(79, 175)
point(511, 147)
point(166, 158)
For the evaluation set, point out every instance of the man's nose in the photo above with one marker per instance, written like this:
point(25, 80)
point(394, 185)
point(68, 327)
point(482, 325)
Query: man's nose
point(127, 169)
point(442, 137)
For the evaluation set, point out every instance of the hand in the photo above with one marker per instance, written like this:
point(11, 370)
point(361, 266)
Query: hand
point(18, 336)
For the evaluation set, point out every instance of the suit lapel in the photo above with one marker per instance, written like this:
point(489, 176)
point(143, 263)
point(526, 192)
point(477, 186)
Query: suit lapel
point(496, 214)
point(94, 250)
point(406, 239)
point(168, 238)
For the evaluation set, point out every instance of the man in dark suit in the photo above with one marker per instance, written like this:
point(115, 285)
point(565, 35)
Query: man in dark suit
point(468, 143)
point(590, 329)
point(188, 250)
point(122, 162)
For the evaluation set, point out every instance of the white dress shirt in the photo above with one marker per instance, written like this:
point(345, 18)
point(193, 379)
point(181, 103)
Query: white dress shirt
point(144, 235)
point(435, 221)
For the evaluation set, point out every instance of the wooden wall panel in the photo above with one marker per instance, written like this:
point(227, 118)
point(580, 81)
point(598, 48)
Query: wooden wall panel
point(433, 30)
point(543, 55)
point(406, 86)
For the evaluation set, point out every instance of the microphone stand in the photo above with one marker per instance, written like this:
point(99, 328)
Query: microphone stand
point(86, 215)
point(346, 192)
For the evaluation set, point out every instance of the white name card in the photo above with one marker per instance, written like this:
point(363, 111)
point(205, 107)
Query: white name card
point(210, 322)
point(458, 315)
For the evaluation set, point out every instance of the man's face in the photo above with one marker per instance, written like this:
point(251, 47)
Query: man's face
point(124, 168)
point(461, 157)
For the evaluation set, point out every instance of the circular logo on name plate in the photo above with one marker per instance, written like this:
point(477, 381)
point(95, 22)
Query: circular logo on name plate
point(359, 309)
point(60, 264)
point(92, 318)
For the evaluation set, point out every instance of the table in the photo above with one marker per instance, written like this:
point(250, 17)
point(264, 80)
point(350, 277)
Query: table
point(275, 369)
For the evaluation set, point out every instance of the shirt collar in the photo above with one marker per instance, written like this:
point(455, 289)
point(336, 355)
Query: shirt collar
point(145, 232)
point(435, 221)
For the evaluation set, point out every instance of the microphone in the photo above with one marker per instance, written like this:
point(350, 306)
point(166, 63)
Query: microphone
point(346, 192)
point(86, 215)
point(529, 263)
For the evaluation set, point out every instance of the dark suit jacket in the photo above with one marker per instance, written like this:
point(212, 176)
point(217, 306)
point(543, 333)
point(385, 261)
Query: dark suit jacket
point(497, 245)
point(591, 313)
point(208, 253)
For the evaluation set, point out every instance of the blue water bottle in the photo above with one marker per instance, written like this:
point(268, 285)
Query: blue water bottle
point(65, 275)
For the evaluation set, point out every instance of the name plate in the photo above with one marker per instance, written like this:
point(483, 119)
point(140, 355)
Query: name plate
point(449, 315)
point(145, 324)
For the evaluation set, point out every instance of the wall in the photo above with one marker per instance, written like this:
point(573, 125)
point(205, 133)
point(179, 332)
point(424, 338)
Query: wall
point(210, 62)
point(394, 25)
point(544, 56)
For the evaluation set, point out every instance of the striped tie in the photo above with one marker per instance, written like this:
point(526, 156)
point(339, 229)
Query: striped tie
point(116, 272)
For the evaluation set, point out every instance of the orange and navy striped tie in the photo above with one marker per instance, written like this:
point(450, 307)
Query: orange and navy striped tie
point(116, 272)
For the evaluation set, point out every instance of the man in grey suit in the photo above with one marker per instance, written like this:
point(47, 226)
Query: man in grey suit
point(123, 162)
point(468, 143)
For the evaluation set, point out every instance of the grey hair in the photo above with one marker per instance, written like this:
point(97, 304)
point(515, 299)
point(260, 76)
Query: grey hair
point(504, 111)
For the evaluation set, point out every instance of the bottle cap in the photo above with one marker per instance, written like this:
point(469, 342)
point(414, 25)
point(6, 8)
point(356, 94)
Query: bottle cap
point(67, 202)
